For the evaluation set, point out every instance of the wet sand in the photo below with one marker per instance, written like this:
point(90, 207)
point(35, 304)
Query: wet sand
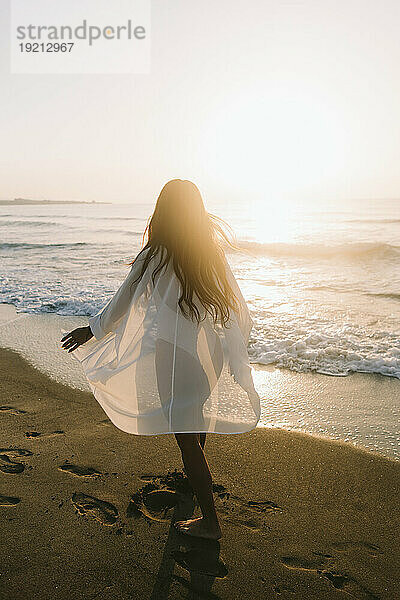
point(86, 509)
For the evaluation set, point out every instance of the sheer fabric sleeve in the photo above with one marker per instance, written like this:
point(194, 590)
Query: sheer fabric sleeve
point(109, 317)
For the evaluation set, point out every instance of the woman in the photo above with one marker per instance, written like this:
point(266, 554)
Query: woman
point(168, 353)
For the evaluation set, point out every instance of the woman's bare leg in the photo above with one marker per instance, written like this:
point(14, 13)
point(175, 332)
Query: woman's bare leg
point(199, 475)
point(202, 439)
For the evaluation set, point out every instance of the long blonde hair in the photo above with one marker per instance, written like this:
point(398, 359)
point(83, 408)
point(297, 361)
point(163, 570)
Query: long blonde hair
point(193, 240)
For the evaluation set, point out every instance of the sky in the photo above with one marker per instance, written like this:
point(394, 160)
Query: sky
point(263, 101)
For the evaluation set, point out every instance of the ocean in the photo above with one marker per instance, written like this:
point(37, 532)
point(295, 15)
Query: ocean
point(323, 286)
point(322, 280)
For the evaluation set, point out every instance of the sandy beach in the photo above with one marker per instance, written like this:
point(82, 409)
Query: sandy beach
point(87, 509)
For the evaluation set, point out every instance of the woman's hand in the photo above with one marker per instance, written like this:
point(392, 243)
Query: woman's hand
point(76, 338)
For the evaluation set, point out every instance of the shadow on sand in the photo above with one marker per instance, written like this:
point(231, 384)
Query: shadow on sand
point(160, 495)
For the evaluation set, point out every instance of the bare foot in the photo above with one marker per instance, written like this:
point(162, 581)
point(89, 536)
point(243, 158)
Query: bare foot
point(199, 527)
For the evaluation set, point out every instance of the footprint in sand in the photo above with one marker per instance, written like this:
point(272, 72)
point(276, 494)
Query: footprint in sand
point(159, 496)
point(164, 492)
point(102, 511)
point(347, 545)
point(350, 586)
point(155, 504)
point(34, 434)
point(340, 581)
point(79, 471)
point(9, 500)
point(250, 513)
point(12, 410)
point(173, 480)
point(11, 466)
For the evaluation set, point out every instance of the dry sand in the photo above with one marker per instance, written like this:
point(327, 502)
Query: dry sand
point(86, 509)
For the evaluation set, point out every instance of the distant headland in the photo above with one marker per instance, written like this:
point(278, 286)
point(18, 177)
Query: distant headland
point(29, 201)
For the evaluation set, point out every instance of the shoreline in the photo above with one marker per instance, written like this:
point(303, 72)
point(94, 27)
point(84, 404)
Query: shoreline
point(359, 409)
point(301, 516)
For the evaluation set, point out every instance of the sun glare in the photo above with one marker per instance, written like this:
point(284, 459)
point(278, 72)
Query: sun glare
point(275, 146)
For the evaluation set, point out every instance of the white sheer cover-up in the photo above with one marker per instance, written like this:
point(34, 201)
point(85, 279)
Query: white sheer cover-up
point(155, 371)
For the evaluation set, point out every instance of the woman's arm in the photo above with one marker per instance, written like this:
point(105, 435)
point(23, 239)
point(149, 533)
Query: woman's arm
point(108, 318)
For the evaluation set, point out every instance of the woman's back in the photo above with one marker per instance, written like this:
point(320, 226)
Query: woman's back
point(170, 348)
point(155, 370)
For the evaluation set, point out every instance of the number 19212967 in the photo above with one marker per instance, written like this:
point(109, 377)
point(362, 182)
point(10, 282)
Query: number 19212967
point(46, 46)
